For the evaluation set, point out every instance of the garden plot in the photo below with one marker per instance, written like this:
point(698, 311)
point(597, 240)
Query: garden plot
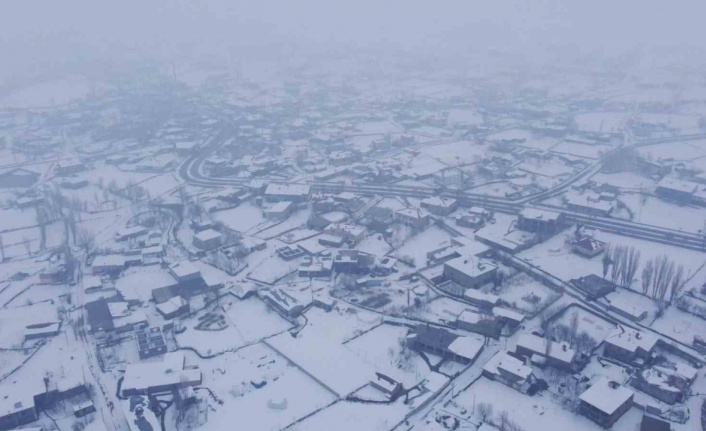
point(537, 413)
point(415, 249)
point(524, 293)
point(318, 349)
point(294, 221)
point(455, 153)
point(582, 150)
point(285, 393)
point(241, 218)
point(605, 122)
point(273, 269)
point(14, 218)
point(349, 416)
point(374, 244)
point(233, 325)
point(14, 321)
point(656, 212)
point(442, 310)
point(555, 256)
point(593, 325)
point(382, 348)
point(625, 181)
point(680, 325)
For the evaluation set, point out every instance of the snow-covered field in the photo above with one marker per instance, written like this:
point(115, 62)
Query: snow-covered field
point(247, 321)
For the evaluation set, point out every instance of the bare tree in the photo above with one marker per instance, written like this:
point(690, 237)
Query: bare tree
point(618, 261)
point(2, 249)
point(606, 259)
point(27, 244)
point(647, 273)
point(678, 283)
point(484, 411)
point(573, 327)
point(85, 240)
point(632, 262)
point(504, 420)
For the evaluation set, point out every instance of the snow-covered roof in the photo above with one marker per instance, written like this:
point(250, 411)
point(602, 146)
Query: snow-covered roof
point(466, 347)
point(508, 314)
point(675, 184)
point(170, 371)
point(477, 295)
point(184, 269)
point(207, 235)
point(288, 189)
point(606, 396)
point(537, 214)
point(631, 339)
point(536, 344)
point(109, 260)
point(473, 267)
point(509, 364)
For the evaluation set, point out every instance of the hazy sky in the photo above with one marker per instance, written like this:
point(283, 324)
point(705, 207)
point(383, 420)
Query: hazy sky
point(39, 33)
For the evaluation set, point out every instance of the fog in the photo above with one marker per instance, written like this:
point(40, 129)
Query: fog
point(38, 37)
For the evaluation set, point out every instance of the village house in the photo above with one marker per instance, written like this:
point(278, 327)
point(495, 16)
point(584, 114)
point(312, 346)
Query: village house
point(482, 324)
point(669, 385)
point(543, 223)
point(167, 375)
point(543, 352)
point(107, 264)
point(18, 177)
point(470, 272)
point(605, 402)
point(439, 206)
point(415, 218)
point(588, 247)
point(296, 193)
point(130, 232)
point(593, 286)
point(445, 344)
point(283, 302)
point(387, 385)
point(629, 345)
point(207, 239)
point(676, 190)
point(509, 371)
point(150, 343)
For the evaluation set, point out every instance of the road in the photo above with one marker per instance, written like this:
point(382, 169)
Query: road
point(190, 170)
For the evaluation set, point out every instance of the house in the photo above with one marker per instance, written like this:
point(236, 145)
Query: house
point(509, 371)
point(605, 402)
point(598, 208)
point(324, 302)
point(153, 254)
point(651, 423)
point(150, 342)
point(42, 330)
point(184, 271)
point(669, 385)
point(480, 299)
point(83, 408)
point(351, 233)
point(19, 403)
point(173, 307)
point(353, 261)
point(439, 206)
point(283, 302)
point(588, 247)
point(207, 239)
point(508, 317)
point(415, 218)
point(331, 240)
point(130, 232)
point(629, 345)
point(288, 252)
point(555, 354)
point(296, 193)
point(92, 283)
point(387, 385)
point(154, 377)
point(481, 324)
point(316, 268)
point(69, 167)
point(470, 221)
point(676, 190)
point(74, 183)
point(544, 223)
point(18, 177)
point(470, 272)
point(445, 344)
point(107, 264)
point(593, 286)
point(278, 210)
